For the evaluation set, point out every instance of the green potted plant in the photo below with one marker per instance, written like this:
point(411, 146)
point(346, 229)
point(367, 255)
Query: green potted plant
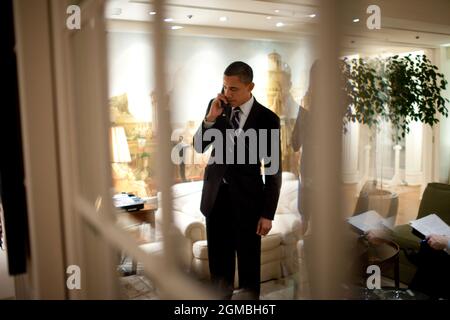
point(365, 92)
point(397, 90)
point(414, 93)
point(365, 103)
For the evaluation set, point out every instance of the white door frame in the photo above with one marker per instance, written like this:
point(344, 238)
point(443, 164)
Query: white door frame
point(45, 277)
point(92, 237)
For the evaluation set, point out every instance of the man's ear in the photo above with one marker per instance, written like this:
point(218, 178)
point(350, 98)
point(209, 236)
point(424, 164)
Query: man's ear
point(251, 86)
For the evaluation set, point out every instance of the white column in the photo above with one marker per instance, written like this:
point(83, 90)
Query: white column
point(413, 154)
point(364, 152)
point(428, 154)
point(366, 168)
point(396, 180)
point(367, 149)
point(350, 145)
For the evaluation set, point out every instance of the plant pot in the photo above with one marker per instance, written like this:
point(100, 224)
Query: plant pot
point(382, 201)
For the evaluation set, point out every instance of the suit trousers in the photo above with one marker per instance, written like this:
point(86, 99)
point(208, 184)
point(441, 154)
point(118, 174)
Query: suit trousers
point(433, 273)
point(231, 232)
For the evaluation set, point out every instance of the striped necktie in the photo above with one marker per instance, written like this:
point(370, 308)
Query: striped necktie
point(235, 118)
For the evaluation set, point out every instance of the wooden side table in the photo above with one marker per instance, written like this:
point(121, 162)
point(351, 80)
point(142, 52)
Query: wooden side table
point(145, 217)
point(385, 253)
point(138, 221)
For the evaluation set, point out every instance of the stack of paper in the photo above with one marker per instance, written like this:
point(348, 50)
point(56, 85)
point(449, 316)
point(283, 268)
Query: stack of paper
point(431, 224)
point(371, 220)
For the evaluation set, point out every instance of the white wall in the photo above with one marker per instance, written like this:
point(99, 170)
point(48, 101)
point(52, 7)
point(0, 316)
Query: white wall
point(195, 69)
point(129, 57)
point(444, 152)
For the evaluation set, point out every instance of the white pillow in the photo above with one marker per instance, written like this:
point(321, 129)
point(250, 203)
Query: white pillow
point(293, 205)
point(192, 208)
point(187, 188)
point(288, 193)
point(287, 226)
point(288, 176)
point(184, 193)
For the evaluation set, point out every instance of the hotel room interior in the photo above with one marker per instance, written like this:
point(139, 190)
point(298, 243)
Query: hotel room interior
point(106, 96)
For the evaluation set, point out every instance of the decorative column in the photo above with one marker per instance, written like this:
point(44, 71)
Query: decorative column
point(350, 145)
point(413, 154)
point(396, 178)
point(365, 177)
point(367, 149)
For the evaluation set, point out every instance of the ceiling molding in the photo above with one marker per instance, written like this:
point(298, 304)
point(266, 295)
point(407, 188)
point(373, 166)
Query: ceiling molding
point(207, 31)
point(227, 10)
point(304, 3)
point(300, 15)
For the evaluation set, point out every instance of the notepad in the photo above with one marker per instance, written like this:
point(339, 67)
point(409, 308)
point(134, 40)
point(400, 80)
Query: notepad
point(431, 224)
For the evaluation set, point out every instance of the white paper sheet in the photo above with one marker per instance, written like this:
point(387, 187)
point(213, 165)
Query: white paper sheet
point(431, 224)
point(368, 220)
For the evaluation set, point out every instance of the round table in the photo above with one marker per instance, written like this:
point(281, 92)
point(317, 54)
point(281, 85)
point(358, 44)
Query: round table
point(383, 253)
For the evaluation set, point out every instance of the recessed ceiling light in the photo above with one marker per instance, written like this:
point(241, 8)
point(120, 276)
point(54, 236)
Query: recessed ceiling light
point(268, 17)
point(116, 11)
point(223, 18)
point(279, 24)
point(355, 20)
point(168, 19)
point(445, 45)
point(313, 15)
point(152, 13)
point(176, 27)
point(277, 11)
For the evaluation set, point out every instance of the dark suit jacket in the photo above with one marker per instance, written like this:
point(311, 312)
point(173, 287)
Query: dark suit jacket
point(247, 189)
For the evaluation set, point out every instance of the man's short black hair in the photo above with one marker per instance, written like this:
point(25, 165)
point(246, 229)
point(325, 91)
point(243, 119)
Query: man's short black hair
point(240, 69)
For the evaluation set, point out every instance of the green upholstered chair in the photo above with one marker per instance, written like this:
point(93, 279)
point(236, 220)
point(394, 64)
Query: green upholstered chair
point(435, 199)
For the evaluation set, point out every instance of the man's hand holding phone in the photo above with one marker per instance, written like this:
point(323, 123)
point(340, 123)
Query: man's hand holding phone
point(216, 107)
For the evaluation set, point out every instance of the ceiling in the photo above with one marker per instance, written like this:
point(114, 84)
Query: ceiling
point(243, 14)
point(406, 24)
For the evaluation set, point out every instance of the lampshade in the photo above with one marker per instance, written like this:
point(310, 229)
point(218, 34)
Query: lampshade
point(119, 145)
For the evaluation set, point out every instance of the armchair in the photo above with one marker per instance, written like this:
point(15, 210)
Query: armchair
point(435, 199)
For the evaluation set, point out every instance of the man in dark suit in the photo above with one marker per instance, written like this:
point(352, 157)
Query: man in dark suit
point(238, 205)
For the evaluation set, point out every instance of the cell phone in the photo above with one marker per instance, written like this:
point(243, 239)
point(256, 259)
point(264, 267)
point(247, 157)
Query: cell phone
point(224, 105)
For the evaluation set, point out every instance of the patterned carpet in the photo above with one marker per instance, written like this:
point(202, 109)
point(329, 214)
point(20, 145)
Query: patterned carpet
point(139, 287)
